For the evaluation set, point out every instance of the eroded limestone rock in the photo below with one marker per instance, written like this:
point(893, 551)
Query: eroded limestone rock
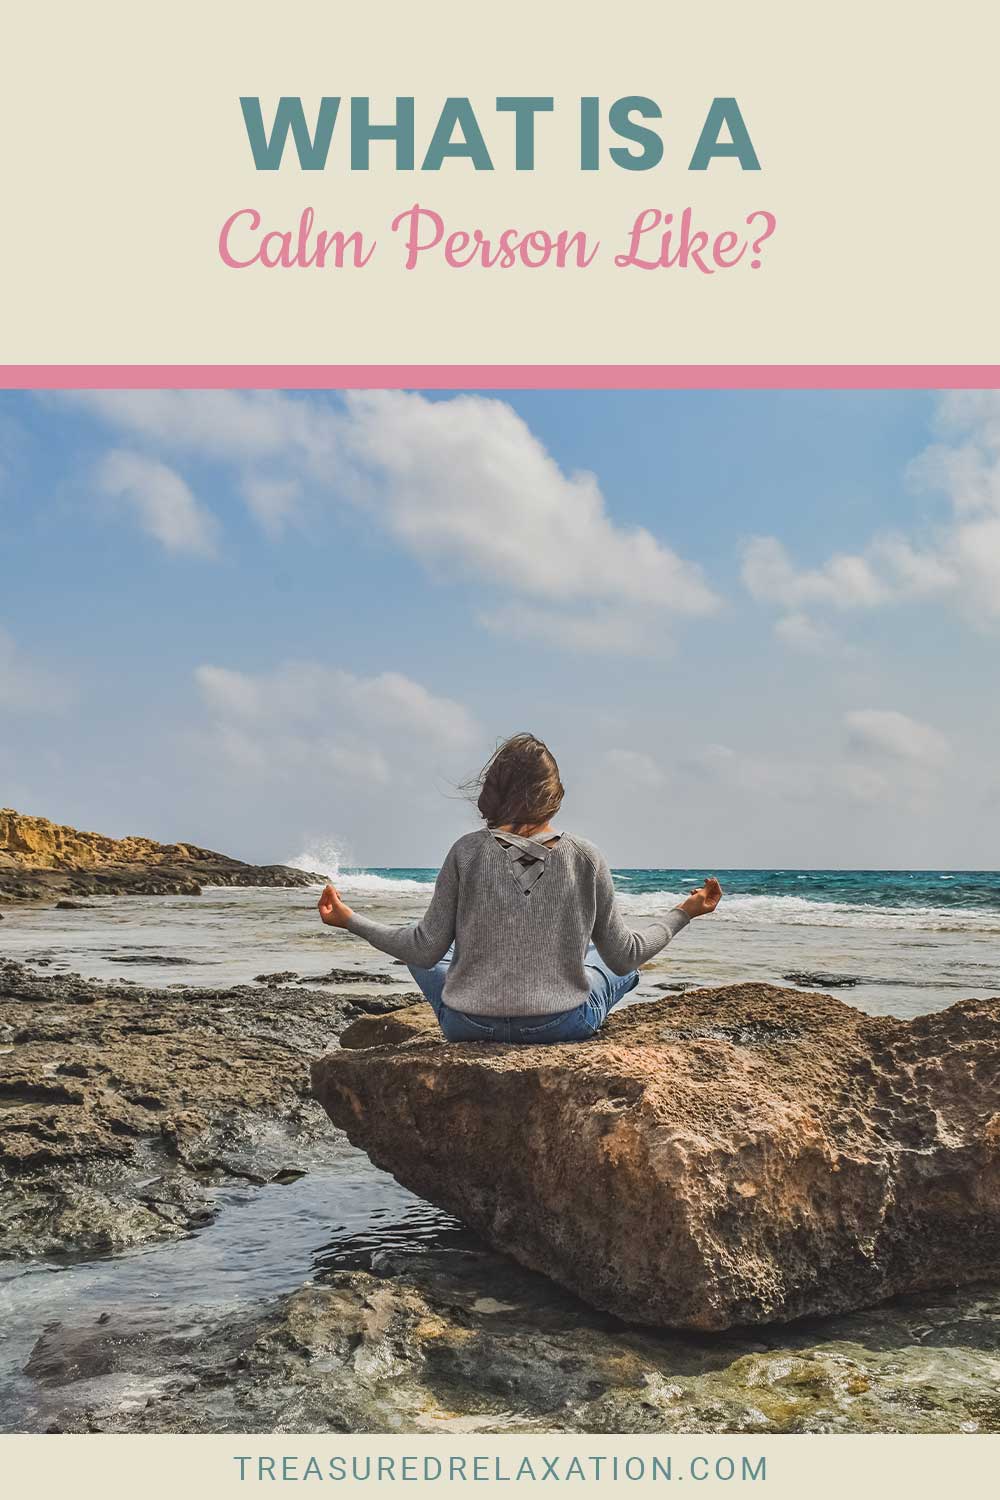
point(741, 1155)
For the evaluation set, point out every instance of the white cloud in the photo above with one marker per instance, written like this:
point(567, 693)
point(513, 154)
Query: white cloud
point(309, 692)
point(313, 753)
point(233, 695)
point(861, 783)
point(966, 473)
point(392, 701)
point(274, 502)
point(26, 686)
point(896, 762)
point(161, 500)
point(466, 481)
point(751, 773)
point(635, 767)
point(462, 484)
point(305, 713)
point(845, 581)
point(280, 755)
point(975, 552)
point(276, 445)
point(316, 753)
point(888, 732)
point(804, 634)
point(913, 573)
point(236, 427)
point(956, 559)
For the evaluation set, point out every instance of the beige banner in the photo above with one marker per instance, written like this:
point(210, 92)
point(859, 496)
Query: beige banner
point(777, 1468)
point(125, 151)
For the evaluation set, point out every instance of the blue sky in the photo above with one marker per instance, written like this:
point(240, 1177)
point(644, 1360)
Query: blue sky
point(756, 628)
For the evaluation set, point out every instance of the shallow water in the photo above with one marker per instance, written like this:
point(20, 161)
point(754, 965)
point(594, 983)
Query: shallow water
point(264, 1242)
point(918, 1365)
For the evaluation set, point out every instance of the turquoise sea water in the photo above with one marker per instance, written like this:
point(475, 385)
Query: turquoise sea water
point(978, 890)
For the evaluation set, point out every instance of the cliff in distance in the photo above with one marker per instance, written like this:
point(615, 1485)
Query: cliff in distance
point(40, 859)
point(31, 843)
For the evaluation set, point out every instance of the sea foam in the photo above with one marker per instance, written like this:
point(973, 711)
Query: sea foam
point(333, 862)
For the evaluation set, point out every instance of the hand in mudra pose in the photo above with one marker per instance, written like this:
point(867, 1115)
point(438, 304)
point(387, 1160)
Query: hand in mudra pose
point(332, 910)
point(702, 901)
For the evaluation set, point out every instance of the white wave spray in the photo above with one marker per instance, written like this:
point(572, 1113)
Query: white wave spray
point(332, 860)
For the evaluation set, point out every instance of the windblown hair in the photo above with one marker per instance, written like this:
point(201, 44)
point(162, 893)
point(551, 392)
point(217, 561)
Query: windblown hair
point(519, 785)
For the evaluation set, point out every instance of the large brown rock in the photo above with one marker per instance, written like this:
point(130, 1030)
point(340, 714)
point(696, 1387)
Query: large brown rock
point(740, 1155)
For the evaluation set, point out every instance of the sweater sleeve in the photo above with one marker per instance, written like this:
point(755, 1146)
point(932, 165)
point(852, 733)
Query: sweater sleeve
point(624, 948)
point(422, 943)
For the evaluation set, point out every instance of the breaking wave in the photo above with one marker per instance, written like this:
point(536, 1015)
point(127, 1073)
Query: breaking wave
point(333, 863)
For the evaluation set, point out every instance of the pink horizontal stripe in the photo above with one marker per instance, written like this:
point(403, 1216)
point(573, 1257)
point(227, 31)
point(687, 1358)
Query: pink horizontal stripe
point(501, 377)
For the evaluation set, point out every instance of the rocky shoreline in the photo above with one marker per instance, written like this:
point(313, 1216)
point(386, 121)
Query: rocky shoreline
point(43, 887)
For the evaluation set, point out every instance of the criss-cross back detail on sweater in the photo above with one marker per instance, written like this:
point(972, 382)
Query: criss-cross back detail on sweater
point(527, 856)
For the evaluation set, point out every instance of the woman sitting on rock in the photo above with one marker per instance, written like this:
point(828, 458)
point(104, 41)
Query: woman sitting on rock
point(523, 934)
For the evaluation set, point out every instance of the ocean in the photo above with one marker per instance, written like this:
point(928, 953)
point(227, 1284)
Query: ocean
point(893, 942)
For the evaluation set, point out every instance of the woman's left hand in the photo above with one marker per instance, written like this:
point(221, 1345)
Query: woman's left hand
point(332, 910)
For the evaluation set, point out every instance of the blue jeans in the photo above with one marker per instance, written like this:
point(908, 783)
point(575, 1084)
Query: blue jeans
point(576, 1025)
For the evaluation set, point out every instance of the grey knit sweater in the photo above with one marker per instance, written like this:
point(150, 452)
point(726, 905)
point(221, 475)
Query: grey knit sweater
point(520, 940)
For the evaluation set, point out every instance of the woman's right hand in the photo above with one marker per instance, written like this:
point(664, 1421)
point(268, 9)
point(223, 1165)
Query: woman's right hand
point(704, 900)
point(332, 910)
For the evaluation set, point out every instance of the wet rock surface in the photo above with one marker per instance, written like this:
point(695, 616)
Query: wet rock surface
point(828, 981)
point(470, 1342)
point(734, 1156)
point(122, 1107)
point(38, 885)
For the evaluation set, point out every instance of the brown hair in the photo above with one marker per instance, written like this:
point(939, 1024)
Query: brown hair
point(519, 785)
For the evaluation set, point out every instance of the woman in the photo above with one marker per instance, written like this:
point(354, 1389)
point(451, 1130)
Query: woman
point(523, 934)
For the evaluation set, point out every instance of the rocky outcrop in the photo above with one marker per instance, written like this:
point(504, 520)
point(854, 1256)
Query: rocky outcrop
point(122, 1108)
point(734, 1156)
point(40, 860)
point(37, 844)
